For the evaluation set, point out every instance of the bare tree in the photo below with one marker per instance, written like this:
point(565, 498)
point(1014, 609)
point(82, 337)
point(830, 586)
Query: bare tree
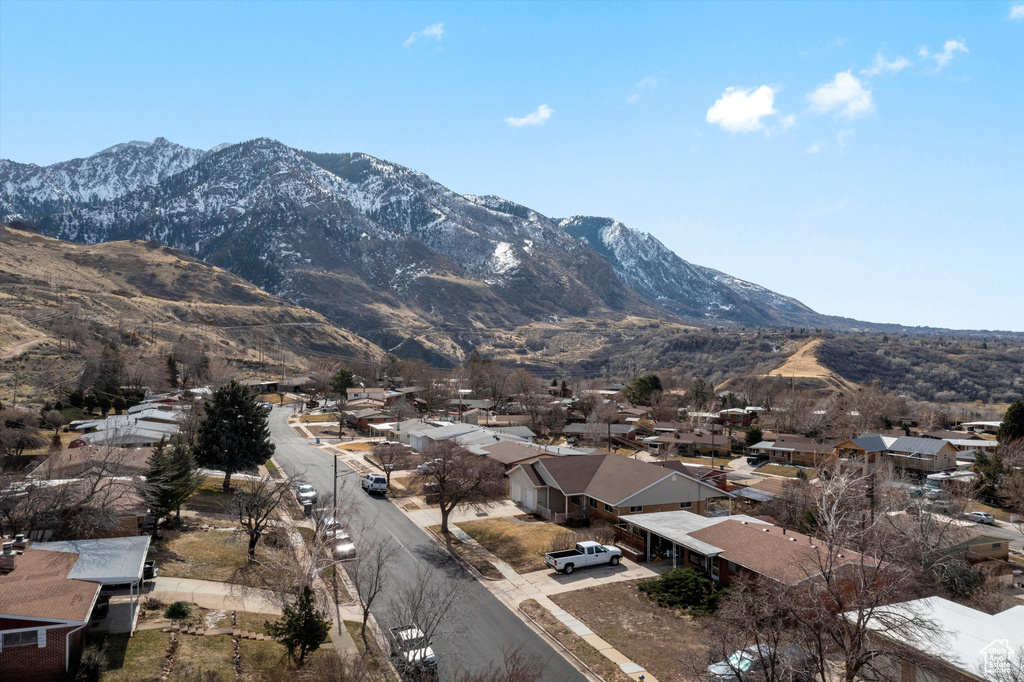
point(425, 601)
point(460, 477)
point(370, 573)
point(391, 456)
point(19, 431)
point(528, 392)
point(255, 505)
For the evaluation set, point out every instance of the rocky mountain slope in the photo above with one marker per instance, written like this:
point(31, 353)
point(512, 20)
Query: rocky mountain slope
point(379, 248)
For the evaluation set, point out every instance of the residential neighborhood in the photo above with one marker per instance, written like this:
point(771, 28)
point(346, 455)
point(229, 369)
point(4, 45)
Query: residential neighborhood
point(107, 540)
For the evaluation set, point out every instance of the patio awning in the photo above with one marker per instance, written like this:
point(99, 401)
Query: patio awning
point(108, 561)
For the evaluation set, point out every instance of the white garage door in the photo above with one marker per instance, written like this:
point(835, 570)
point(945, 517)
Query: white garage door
point(530, 500)
point(516, 492)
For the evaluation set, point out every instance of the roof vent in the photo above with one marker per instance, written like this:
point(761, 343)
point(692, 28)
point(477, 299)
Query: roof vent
point(8, 560)
point(792, 539)
point(765, 530)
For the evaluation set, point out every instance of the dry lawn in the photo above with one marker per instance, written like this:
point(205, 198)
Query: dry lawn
point(521, 544)
point(140, 657)
point(593, 658)
point(778, 470)
point(650, 635)
point(376, 660)
point(215, 555)
point(467, 553)
point(204, 653)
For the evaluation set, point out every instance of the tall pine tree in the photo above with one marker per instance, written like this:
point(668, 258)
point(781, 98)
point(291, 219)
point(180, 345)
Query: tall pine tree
point(233, 434)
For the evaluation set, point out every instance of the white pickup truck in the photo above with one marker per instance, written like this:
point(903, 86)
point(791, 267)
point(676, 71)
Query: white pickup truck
point(583, 554)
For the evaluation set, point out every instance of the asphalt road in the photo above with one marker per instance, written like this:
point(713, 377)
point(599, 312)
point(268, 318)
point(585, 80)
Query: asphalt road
point(481, 628)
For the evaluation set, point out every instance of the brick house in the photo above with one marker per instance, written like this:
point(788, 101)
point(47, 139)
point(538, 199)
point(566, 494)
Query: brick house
point(700, 443)
point(43, 614)
point(606, 486)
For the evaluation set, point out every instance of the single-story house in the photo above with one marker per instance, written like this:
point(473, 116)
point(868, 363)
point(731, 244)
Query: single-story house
point(737, 417)
point(736, 548)
point(981, 427)
point(94, 460)
point(44, 613)
point(716, 477)
point(466, 404)
point(795, 450)
point(697, 443)
point(868, 450)
point(601, 432)
point(511, 453)
point(970, 644)
point(260, 386)
point(607, 486)
point(362, 419)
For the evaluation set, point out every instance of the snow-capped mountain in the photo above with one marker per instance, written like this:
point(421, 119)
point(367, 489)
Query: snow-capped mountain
point(376, 247)
point(28, 190)
point(649, 267)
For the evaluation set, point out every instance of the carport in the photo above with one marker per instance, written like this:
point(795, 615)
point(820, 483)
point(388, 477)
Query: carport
point(111, 562)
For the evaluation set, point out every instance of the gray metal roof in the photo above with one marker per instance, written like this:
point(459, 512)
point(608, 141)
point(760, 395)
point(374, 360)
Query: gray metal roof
point(108, 561)
point(755, 494)
point(873, 443)
point(918, 446)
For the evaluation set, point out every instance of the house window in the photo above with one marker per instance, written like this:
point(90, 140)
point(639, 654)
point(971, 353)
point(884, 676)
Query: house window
point(685, 505)
point(593, 502)
point(696, 558)
point(996, 545)
point(575, 499)
point(734, 567)
point(636, 510)
point(27, 638)
point(608, 508)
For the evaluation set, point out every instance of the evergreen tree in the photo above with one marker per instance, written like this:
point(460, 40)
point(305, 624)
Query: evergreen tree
point(754, 436)
point(989, 468)
point(172, 371)
point(233, 434)
point(76, 400)
point(1012, 427)
point(340, 382)
point(159, 490)
point(185, 478)
point(642, 389)
point(104, 404)
point(302, 626)
point(119, 405)
point(90, 402)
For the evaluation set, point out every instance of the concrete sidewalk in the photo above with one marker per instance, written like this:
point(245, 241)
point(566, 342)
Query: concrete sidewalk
point(213, 595)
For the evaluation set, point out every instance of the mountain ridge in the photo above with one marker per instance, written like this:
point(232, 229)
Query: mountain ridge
point(382, 249)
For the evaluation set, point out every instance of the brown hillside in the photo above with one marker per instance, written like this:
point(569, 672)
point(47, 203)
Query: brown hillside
point(146, 294)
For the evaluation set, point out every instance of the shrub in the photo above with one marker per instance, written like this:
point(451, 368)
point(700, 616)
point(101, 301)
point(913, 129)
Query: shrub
point(92, 665)
point(681, 587)
point(58, 405)
point(179, 610)
point(76, 400)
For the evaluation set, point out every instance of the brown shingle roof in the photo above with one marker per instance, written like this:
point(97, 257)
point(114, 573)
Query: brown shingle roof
point(39, 587)
point(788, 558)
point(609, 478)
point(509, 452)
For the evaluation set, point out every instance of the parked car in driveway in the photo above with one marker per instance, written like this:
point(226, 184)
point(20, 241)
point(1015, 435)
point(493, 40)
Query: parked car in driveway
point(754, 460)
point(374, 483)
point(149, 570)
point(980, 517)
point(583, 554)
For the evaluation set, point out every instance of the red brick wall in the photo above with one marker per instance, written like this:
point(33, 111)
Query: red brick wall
point(34, 664)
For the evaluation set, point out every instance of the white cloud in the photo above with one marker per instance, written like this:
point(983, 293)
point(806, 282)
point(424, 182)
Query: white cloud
point(739, 110)
point(880, 65)
point(946, 56)
point(537, 118)
point(949, 48)
point(843, 135)
point(813, 149)
point(646, 83)
point(1017, 12)
point(845, 94)
point(435, 31)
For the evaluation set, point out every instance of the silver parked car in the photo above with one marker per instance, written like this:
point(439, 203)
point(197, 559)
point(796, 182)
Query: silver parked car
point(980, 517)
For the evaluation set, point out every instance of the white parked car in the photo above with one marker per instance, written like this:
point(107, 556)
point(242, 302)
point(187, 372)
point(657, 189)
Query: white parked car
point(374, 483)
point(980, 517)
point(306, 493)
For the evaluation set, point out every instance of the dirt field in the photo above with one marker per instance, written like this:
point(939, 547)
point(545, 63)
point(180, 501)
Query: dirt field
point(660, 639)
point(586, 653)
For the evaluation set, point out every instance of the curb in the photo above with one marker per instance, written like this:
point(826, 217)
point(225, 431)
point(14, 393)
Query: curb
point(556, 641)
point(470, 568)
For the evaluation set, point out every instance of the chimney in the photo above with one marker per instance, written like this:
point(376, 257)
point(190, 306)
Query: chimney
point(8, 560)
point(783, 530)
point(20, 542)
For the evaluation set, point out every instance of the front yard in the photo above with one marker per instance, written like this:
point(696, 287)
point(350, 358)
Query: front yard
point(523, 543)
point(655, 637)
point(218, 555)
point(779, 470)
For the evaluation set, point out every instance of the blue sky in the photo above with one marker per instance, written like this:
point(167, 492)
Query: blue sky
point(866, 158)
